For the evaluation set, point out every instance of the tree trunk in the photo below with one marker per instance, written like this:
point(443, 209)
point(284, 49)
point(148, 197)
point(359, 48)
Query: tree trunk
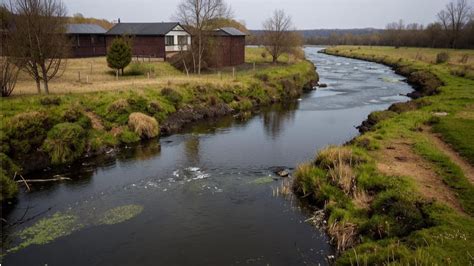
point(45, 78)
point(38, 84)
point(199, 57)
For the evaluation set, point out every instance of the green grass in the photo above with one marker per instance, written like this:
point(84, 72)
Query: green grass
point(459, 133)
point(394, 223)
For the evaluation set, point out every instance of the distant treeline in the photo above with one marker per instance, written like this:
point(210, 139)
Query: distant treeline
point(454, 28)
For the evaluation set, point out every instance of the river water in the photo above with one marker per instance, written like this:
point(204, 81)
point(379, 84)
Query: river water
point(207, 196)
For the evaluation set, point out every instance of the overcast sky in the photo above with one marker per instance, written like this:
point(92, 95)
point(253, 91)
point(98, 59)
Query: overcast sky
point(307, 14)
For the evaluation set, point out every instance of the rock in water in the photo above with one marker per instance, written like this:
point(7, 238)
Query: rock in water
point(283, 173)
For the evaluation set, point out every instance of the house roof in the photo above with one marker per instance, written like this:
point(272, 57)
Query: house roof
point(230, 31)
point(85, 29)
point(142, 28)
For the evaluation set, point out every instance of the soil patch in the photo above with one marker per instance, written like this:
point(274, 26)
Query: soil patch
point(399, 159)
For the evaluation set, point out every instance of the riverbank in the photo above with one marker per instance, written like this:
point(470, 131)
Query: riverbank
point(60, 129)
point(398, 193)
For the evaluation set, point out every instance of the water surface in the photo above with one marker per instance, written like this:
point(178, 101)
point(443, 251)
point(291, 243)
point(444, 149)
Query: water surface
point(206, 194)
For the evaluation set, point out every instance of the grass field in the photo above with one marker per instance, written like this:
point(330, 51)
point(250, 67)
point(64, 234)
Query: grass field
point(92, 74)
point(398, 195)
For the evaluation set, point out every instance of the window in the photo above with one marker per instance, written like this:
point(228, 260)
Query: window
point(182, 40)
point(169, 40)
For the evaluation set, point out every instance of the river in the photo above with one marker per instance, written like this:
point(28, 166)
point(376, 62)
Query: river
point(206, 196)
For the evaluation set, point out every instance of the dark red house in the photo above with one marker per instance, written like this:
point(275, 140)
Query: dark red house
point(87, 40)
point(228, 48)
point(158, 40)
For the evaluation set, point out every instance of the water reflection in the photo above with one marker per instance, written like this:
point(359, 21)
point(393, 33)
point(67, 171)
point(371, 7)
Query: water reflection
point(191, 147)
point(279, 117)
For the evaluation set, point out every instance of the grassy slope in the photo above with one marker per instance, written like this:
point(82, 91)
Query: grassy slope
point(394, 222)
point(27, 121)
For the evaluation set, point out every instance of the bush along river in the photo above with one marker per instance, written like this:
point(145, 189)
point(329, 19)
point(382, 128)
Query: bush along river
point(207, 196)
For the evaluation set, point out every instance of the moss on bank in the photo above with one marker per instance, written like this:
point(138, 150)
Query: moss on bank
point(58, 129)
point(376, 219)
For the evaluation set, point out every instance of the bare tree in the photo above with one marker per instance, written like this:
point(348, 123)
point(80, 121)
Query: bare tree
point(39, 38)
point(8, 76)
point(454, 18)
point(279, 35)
point(198, 16)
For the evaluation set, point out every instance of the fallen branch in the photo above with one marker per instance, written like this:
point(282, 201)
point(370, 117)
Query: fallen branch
point(45, 180)
point(21, 181)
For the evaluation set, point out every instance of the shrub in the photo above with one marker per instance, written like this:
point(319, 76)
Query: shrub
point(9, 187)
point(442, 57)
point(154, 107)
point(404, 213)
point(119, 54)
point(50, 100)
point(127, 137)
point(145, 126)
point(172, 96)
point(26, 131)
point(243, 105)
point(100, 140)
point(75, 115)
point(7, 171)
point(139, 69)
point(120, 107)
point(138, 103)
point(226, 96)
point(65, 143)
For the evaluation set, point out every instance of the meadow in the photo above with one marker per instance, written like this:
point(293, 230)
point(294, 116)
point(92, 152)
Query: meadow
point(81, 75)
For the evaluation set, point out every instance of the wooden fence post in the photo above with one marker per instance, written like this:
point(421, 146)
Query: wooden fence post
point(233, 72)
point(79, 75)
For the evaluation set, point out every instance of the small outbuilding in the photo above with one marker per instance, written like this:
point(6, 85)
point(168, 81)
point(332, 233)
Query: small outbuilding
point(156, 40)
point(87, 40)
point(228, 48)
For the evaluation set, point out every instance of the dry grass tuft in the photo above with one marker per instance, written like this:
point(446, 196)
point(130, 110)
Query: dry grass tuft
point(343, 176)
point(343, 235)
point(328, 157)
point(361, 199)
point(145, 126)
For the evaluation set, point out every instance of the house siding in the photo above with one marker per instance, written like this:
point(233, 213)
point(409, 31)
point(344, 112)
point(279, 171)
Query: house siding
point(87, 45)
point(148, 46)
point(227, 51)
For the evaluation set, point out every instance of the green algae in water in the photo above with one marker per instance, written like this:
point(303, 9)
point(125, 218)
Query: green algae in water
point(60, 224)
point(120, 214)
point(47, 230)
point(262, 180)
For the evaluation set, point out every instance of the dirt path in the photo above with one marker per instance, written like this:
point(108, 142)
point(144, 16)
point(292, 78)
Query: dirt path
point(96, 121)
point(399, 160)
point(452, 154)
